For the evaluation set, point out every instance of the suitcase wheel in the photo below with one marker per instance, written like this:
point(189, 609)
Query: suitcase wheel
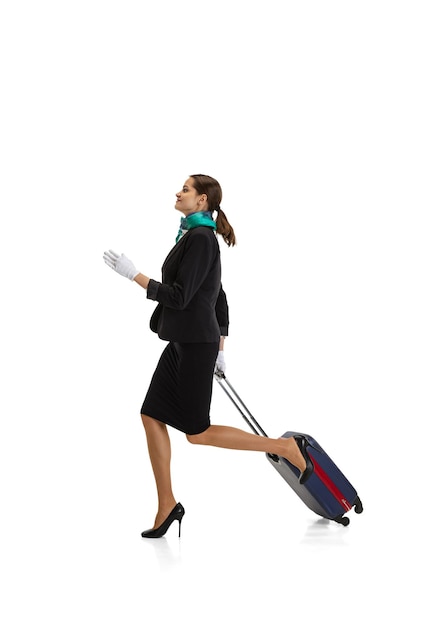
point(358, 507)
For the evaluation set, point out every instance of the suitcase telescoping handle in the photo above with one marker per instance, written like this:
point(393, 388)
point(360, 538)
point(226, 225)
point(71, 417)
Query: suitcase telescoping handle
point(242, 408)
point(238, 403)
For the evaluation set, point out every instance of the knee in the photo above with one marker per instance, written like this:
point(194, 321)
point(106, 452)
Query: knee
point(152, 426)
point(196, 439)
point(146, 421)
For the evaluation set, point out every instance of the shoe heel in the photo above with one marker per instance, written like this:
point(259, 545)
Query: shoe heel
point(176, 514)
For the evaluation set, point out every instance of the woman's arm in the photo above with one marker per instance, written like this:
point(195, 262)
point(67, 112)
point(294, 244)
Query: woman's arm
point(189, 271)
point(142, 280)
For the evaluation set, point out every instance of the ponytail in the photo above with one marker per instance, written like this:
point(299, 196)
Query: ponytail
point(211, 187)
point(224, 228)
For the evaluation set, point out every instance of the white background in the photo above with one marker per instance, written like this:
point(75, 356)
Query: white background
point(320, 120)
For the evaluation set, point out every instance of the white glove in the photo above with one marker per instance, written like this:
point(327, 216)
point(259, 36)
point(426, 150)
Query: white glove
point(120, 264)
point(220, 365)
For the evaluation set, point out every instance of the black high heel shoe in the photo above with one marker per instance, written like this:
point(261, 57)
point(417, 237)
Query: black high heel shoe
point(305, 475)
point(176, 514)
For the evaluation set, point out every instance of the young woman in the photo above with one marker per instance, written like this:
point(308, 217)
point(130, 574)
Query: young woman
point(192, 316)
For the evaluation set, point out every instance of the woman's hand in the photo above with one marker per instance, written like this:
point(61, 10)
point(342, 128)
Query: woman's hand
point(120, 264)
point(220, 365)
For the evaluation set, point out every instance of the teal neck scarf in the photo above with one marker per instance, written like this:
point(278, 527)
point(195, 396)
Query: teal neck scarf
point(201, 218)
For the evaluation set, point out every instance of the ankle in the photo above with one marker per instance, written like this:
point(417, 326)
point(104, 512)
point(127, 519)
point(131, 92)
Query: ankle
point(167, 504)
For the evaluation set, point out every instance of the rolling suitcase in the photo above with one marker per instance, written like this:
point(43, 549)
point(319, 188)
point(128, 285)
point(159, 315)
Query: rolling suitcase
point(326, 492)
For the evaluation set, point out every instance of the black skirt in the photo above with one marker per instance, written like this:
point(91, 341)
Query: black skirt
point(180, 391)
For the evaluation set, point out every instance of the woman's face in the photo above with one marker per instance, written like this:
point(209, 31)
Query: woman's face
point(189, 200)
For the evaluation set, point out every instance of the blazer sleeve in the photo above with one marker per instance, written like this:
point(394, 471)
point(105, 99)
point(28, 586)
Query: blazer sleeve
point(192, 271)
point(222, 312)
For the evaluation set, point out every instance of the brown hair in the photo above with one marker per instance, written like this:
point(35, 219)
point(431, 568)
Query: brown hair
point(211, 187)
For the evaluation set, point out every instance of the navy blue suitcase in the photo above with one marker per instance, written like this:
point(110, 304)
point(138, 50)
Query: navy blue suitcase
point(327, 492)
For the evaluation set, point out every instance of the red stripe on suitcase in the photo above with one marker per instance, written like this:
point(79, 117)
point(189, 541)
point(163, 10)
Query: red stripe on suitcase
point(330, 484)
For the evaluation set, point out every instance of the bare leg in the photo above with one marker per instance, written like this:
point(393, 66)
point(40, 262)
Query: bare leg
point(236, 439)
point(159, 448)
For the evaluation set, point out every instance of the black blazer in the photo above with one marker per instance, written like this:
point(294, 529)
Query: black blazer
point(192, 304)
